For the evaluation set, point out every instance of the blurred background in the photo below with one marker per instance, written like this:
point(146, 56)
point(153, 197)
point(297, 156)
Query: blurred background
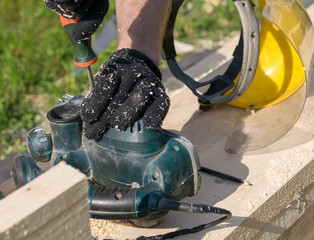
point(36, 58)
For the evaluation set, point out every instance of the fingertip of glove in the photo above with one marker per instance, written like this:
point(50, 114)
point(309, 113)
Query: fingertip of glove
point(118, 125)
point(86, 115)
point(92, 132)
point(153, 124)
point(87, 133)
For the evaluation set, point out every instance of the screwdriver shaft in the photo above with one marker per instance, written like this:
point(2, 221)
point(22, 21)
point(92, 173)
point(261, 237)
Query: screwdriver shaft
point(90, 78)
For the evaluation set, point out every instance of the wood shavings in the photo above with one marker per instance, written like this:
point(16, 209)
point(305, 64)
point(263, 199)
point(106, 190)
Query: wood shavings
point(108, 229)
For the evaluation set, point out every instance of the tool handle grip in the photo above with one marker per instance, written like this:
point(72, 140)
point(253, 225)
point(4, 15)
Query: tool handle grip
point(84, 53)
point(112, 203)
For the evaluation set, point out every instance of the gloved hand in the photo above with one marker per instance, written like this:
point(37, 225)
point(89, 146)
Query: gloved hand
point(126, 88)
point(92, 12)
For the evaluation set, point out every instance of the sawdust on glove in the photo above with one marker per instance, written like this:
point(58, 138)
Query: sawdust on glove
point(92, 13)
point(126, 88)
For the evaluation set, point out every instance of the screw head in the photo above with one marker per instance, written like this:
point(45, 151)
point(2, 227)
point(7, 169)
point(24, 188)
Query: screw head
point(118, 195)
point(156, 175)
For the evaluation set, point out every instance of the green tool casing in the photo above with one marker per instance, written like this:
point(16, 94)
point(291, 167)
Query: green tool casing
point(130, 170)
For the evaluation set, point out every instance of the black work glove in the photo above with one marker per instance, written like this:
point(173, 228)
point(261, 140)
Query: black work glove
point(127, 87)
point(92, 12)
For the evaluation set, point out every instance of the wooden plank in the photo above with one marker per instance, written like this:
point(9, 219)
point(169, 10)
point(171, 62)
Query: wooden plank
point(303, 228)
point(53, 206)
point(293, 221)
point(281, 210)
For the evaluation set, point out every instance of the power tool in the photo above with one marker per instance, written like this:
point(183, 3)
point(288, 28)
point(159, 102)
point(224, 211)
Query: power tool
point(136, 166)
point(138, 174)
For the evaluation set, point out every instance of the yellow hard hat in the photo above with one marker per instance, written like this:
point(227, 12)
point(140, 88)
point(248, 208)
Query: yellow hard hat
point(269, 73)
point(279, 87)
point(280, 71)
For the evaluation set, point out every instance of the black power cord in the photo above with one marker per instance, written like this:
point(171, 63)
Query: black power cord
point(167, 204)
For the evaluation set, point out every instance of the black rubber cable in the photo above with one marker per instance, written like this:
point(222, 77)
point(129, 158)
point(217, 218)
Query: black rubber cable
point(167, 204)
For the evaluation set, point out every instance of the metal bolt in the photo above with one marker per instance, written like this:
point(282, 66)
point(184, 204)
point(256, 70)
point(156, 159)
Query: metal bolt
point(156, 175)
point(118, 195)
point(176, 148)
point(135, 185)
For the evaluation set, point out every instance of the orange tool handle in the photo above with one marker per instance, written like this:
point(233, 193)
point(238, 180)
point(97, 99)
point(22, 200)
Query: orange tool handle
point(84, 53)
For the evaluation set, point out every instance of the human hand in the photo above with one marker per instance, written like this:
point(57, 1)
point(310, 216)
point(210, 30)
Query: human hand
point(126, 88)
point(92, 12)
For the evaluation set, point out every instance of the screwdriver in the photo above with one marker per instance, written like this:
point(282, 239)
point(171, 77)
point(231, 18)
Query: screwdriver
point(225, 176)
point(84, 53)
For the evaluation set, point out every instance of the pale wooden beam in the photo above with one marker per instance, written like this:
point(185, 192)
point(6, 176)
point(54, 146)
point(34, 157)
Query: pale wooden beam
point(53, 206)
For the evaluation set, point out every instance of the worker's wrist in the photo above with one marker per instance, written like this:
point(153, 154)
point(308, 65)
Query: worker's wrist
point(139, 57)
point(151, 51)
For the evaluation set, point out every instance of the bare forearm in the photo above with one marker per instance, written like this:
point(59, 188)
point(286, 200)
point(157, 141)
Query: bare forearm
point(141, 25)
